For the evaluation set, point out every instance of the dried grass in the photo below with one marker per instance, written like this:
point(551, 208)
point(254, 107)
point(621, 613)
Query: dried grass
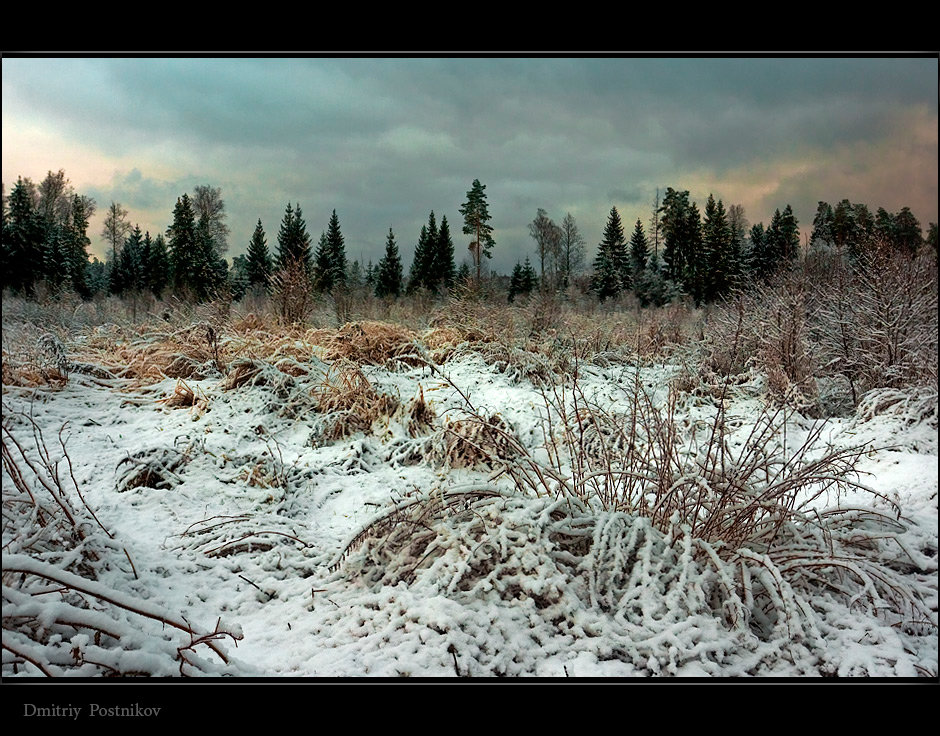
point(185, 397)
point(349, 403)
point(371, 343)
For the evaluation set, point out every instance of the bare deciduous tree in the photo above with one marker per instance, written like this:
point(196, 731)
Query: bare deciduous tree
point(548, 239)
point(115, 229)
point(208, 203)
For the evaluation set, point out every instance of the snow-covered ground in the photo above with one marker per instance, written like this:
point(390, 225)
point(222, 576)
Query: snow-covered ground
point(258, 521)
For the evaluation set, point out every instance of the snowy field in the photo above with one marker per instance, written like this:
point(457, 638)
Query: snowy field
point(449, 513)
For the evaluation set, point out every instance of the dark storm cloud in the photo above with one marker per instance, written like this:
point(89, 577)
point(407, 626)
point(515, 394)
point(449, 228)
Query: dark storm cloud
point(384, 141)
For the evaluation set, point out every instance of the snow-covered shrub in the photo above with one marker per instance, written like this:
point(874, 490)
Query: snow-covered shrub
point(748, 502)
point(569, 580)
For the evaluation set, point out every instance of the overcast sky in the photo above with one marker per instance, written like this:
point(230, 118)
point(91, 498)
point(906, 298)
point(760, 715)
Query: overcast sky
point(384, 141)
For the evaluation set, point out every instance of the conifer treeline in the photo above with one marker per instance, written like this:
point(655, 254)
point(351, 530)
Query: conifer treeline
point(701, 255)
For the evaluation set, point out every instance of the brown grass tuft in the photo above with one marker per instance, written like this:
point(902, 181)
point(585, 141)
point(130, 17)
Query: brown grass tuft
point(370, 343)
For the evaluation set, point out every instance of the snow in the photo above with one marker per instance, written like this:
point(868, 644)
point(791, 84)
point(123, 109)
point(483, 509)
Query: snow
point(285, 571)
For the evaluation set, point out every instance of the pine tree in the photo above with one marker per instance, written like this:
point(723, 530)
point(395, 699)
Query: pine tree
point(639, 255)
point(476, 217)
point(908, 234)
point(389, 277)
point(258, 266)
point(611, 266)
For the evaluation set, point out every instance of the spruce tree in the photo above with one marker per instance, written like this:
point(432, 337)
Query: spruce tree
point(611, 266)
point(443, 270)
point(755, 251)
point(515, 282)
point(258, 266)
point(681, 232)
point(337, 250)
point(181, 242)
point(654, 288)
point(790, 234)
point(21, 238)
point(158, 266)
point(323, 265)
point(523, 280)
point(210, 271)
point(77, 257)
point(293, 242)
point(530, 280)
point(388, 279)
point(54, 264)
point(716, 251)
point(696, 268)
point(423, 257)
point(767, 254)
point(822, 226)
point(639, 254)
point(131, 264)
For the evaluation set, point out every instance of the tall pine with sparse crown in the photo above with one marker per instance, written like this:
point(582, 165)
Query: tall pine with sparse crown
point(476, 217)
